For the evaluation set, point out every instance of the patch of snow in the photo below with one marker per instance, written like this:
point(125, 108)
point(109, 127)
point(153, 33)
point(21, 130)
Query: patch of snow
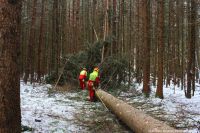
point(46, 113)
point(175, 104)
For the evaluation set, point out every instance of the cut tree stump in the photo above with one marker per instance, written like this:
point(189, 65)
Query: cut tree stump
point(136, 119)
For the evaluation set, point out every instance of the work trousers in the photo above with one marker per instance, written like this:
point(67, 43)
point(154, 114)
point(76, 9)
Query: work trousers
point(91, 90)
point(82, 84)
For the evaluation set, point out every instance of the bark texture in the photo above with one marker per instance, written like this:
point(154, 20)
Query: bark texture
point(10, 116)
point(146, 41)
point(159, 91)
point(137, 120)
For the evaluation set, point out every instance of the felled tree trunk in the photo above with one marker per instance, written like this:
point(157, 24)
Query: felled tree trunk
point(137, 120)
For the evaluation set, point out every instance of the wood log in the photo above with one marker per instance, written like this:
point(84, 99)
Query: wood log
point(136, 119)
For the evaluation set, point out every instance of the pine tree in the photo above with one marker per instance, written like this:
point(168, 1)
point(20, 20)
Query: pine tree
point(10, 115)
point(146, 54)
point(159, 91)
point(191, 51)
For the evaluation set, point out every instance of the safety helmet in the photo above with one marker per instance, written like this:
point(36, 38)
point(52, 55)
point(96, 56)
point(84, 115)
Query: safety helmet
point(84, 68)
point(96, 69)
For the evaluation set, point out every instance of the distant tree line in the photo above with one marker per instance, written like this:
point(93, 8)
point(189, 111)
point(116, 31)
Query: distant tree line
point(159, 38)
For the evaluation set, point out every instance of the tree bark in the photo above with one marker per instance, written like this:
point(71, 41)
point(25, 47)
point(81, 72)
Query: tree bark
point(137, 120)
point(114, 28)
point(10, 114)
point(146, 54)
point(191, 52)
point(159, 91)
point(55, 38)
point(106, 30)
point(41, 42)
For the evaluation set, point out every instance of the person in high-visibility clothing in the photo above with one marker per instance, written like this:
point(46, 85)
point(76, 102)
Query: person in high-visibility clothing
point(93, 83)
point(82, 78)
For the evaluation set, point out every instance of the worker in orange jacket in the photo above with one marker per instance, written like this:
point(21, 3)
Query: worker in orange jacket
point(82, 78)
point(93, 83)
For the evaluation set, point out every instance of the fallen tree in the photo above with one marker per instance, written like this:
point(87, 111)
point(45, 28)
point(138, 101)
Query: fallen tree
point(136, 119)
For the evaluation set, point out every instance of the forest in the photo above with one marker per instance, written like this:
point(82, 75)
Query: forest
point(147, 53)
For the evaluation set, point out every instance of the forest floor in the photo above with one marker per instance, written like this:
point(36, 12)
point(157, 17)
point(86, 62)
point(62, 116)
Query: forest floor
point(50, 111)
point(176, 110)
point(47, 111)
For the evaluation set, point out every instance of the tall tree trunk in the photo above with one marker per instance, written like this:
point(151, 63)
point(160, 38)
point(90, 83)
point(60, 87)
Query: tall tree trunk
point(159, 91)
point(182, 48)
point(105, 30)
point(197, 62)
point(191, 52)
point(129, 28)
point(123, 28)
point(154, 40)
point(138, 50)
point(114, 28)
point(41, 42)
point(146, 54)
point(78, 24)
point(55, 38)
point(10, 114)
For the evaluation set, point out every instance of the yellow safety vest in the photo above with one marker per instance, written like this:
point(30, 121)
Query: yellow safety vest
point(93, 76)
point(83, 72)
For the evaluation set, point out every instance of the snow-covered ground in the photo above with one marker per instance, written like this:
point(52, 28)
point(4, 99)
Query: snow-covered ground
point(64, 112)
point(44, 112)
point(177, 110)
point(47, 111)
